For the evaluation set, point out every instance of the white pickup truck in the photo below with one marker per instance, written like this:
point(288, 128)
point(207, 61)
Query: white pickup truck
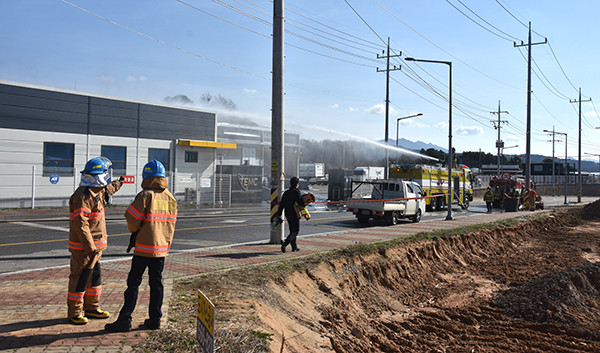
point(399, 199)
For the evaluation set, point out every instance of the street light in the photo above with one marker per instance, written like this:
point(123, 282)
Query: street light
point(566, 163)
point(450, 157)
point(398, 126)
point(502, 160)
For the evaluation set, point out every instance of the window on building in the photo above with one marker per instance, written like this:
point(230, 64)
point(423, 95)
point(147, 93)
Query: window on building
point(58, 158)
point(118, 157)
point(191, 156)
point(160, 155)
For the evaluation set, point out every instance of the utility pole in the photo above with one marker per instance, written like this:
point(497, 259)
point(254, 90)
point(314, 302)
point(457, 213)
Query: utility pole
point(387, 103)
point(499, 143)
point(528, 128)
point(553, 133)
point(277, 142)
point(579, 167)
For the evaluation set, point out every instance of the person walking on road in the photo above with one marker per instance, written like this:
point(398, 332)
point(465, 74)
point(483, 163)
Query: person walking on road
point(488, 197)
point(293, 203)
point(151, 219)
point(87, 240)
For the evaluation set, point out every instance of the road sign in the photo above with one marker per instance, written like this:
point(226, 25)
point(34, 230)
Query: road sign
point(506, 176)
point(54, 179)
point(205, 324)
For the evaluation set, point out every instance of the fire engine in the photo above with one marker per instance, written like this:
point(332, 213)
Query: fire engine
point(434, 181)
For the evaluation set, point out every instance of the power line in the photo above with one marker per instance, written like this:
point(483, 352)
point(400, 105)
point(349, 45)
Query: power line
point(511, 39)
point(440, 48)
point(560, 66)
point(559, 95)
point(515, 17)
point(291, 45)
point(208, 59)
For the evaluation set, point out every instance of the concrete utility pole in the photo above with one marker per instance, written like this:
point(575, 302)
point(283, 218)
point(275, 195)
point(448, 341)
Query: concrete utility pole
point(528, 128)
point(553, 133)
point(499, 143)
point(579, 166)
point(277, 142)
point(387, 103)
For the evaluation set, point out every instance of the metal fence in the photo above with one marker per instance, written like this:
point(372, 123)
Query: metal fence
point(25, 186)
point(482, 181)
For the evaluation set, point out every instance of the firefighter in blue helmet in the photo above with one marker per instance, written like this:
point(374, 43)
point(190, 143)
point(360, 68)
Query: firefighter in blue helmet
point(87, 240)
point(151, 219)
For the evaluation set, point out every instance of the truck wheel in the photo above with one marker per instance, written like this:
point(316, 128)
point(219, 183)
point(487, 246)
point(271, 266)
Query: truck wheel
point(432, 204)
point(393, 218)
point(439, 204)
point(363, 219)
point(417, 217)
point(465, 204)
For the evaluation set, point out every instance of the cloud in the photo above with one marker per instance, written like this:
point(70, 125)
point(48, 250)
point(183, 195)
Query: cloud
point(441, 125)
point(333, 106)
point(380, 109)
point(250, 91)
point(470, 130)
point(414, 123)
point(353, 110)
point(130, 78)
point(106, 79)
point(512, 139)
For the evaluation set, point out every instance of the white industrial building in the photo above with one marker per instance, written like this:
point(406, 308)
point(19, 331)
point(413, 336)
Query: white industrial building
point(47, 135)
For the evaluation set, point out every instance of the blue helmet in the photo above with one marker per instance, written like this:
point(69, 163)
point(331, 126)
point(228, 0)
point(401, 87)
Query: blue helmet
point(153, 169)
point(98, 165)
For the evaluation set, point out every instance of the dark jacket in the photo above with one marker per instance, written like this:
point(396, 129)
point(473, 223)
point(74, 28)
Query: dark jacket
point(290, 197)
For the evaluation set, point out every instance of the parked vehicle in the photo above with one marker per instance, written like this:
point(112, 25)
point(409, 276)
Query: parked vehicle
point(434, 181)
point(390, 201)
point(313, 172)
point(367, 173)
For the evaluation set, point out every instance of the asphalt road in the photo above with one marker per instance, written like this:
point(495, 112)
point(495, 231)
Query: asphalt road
point(33, 245)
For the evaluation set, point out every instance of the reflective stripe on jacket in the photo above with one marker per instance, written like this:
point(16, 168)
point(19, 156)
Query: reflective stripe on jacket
point(87, 228)
point(155, 211)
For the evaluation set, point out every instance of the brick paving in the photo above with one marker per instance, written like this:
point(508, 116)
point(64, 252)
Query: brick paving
point(33, 305)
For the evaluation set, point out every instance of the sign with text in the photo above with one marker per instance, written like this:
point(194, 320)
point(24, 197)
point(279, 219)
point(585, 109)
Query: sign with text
point(205, 183)
point(128, 179)
point(205, 324)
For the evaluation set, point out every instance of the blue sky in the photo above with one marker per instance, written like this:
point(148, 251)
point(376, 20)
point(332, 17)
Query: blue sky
point(148, 50)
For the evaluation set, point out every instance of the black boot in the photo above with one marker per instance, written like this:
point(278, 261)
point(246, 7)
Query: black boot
point(282, 246)
point(119, 326)
point(152, 324)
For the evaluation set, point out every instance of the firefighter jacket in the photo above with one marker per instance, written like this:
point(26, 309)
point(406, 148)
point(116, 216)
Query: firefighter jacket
point(153, 213)
point(87, 229)
point(488, 196)
point(300, 206)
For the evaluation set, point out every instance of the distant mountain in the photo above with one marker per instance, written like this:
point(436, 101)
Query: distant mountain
point(416, 146)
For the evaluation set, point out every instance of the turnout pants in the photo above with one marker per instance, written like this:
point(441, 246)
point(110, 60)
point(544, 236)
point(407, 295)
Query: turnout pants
point(85, 283)
point(155, 267)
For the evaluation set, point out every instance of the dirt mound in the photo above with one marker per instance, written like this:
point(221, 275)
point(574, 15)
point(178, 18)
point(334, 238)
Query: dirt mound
point(533, 287)
point(440, 295)
point(591, 211)
point(568, 297)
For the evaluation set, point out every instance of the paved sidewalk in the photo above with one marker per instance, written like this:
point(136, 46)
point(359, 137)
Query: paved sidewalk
point(33, 305)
